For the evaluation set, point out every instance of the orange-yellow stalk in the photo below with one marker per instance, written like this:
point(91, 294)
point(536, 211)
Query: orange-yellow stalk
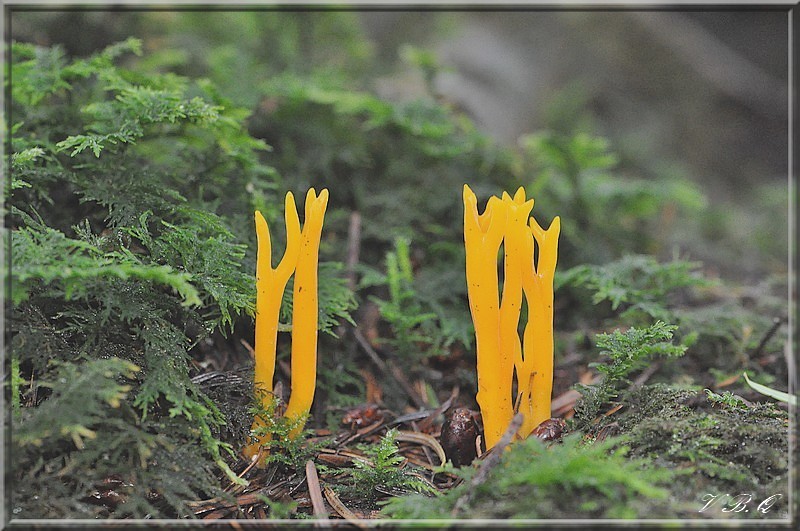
point(500, 353)
point(305, 313)
point(535, 369)
point(515, 238)
point(270, 284)
point(483, 235)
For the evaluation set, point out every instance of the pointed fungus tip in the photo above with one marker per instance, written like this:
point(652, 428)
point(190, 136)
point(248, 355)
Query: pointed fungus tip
point(469, 195)
point(323, 195)
point(288, 203)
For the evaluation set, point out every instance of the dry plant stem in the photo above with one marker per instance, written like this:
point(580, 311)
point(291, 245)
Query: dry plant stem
point(341, 508)
point(483, 235)
point(427, 422)
point(305, 312)
point(270, 284)
point(392, 371)
point(425, 449)
point(353, 248)
point(776, 323)
point(314, 491)
point(398, 375)
point(646, 374)
point(425, 440)
point(491, 461)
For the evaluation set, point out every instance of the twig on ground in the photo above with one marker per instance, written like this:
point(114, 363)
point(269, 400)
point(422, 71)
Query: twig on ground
point(353, 248)
point(341, 508)
point(491, 461)
point(425, 440)
point(389, 370)
point(362, 341)
point(428, 421)
point(776, 323)
point(315, 492)
point(646, 374)
point(406, 385)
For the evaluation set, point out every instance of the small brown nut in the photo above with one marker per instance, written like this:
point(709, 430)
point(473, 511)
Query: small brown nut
point(459, 432)
point(550, 430)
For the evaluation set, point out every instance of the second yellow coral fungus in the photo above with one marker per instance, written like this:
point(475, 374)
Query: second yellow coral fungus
point(500, 353)
point(300, 258)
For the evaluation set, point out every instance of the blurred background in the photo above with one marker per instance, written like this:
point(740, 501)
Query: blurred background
point(142, 140)
point(695, 96)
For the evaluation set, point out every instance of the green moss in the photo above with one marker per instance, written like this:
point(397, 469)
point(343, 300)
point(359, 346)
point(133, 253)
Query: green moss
point(573, 479)
point(727, 449)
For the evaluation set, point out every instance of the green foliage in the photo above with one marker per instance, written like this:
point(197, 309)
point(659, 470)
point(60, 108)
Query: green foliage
point(381, 468)
point(639, 283)
point(770, 392)
point(203, 247)
point(267, 43)
point(569, 480)
point(45, 258)
point(25, 159)
point(290, 451)
point(78, 403)
point(604, 214)
point(122, 249)
point(134, 109)
point(85, 432)
point(15, 383)
point(726, 399)
point(416, 332)
point(361, 146)
point(40, 73)
point(731, 326)
point(279, 510)
point(425, 60)
point(632, 349)
point(339, 381)
point(722, 323)
point(335, 300)
point(626, 352)
point(721, 443)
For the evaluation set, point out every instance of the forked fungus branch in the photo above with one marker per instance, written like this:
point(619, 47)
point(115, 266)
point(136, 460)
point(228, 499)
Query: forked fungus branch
point(529, 262)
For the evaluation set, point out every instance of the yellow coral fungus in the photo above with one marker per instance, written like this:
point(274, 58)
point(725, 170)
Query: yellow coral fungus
point(483, 235)
point(499, 351)
point(270, 284)
point(305, 312)
point(301, 255)
point(535, 368)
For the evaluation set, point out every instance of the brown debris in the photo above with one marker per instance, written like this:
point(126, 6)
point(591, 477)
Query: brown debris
point(315, 491)
point(359, 416)
point(549, 430)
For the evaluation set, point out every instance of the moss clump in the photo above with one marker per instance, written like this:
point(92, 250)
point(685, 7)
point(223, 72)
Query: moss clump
point(574, 479)
point(724, 449)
